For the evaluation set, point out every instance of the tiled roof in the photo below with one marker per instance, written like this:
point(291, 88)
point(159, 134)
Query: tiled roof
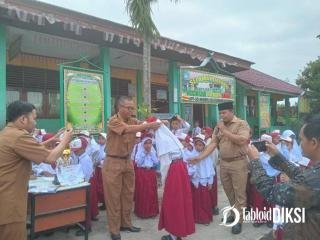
point(266, 82)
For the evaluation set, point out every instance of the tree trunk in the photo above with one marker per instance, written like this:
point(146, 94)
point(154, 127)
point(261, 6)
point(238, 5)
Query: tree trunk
point(146, 80)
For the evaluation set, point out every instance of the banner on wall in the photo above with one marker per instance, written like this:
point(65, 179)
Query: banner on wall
point(83, 99)
point(205, 87)
point(264, 106)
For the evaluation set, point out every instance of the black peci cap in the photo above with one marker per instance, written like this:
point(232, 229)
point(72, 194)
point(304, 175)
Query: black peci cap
point(225, 106)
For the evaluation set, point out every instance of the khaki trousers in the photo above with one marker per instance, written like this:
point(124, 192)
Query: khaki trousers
point(234, 176)
point(13, 231)
point(118, 185)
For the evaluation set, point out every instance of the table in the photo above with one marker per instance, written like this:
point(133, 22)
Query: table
point(68, 205)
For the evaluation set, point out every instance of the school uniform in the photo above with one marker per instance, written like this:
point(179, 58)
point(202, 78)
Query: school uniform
point(257, 200)
point(176, 215)
point(98, 174)
point(87, 168)
point(202, 201)
point(214, 190)
point(146, 197)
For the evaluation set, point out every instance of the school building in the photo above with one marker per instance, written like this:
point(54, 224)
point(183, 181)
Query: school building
point(40, 43)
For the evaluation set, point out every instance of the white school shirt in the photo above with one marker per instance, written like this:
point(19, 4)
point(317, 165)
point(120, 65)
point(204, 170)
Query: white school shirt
point(168, 148)
point(146, 159)
point(102, 153)
point(205, 172)
point(184, 129)
point(86, 165)
point(187, 154)
point(264, 159)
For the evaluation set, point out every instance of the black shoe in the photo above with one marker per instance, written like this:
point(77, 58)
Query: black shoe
point(130, 229)
point(215, 211)
point(115, 236)
point(256, 224)
point(237, 228)
point(81, 232)
point(102, 207)
point(95, 219)
point(230, 219)
point(167, 237)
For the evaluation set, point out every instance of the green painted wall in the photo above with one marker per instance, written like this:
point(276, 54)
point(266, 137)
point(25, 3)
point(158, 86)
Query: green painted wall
point(3, 94)
point(50, 125)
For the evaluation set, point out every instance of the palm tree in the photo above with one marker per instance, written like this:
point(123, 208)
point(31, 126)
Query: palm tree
point(140, 16)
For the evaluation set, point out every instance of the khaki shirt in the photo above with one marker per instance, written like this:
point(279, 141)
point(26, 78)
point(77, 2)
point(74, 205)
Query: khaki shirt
point(228, 149)
point(120, 144)
point(17, 149)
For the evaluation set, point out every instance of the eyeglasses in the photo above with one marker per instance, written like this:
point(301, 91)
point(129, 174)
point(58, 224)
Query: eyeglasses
point(129, 108)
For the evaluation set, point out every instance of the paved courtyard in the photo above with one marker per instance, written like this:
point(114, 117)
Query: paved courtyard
point(150, 231)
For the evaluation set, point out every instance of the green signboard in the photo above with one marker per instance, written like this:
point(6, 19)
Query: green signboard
point(83, 99)
point(264, 111)
point(204, 87)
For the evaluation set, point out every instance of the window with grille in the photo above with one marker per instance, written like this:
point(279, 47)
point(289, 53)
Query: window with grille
point(37, 86)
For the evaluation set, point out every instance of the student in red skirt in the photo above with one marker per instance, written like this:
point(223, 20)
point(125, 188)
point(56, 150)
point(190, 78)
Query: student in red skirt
point(258, 202)
point(133, 157)
point(176, 215)
point(102, 139)
point(202, 183)
point(80, 156)
point(207, 131)
point(146, 197)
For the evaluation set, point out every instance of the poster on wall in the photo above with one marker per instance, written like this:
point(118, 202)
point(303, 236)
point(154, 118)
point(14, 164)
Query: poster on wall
point(83, 99)
point(205, 87)
point(264, 105)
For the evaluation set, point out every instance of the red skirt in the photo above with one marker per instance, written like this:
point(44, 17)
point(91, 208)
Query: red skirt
point(99, 183)
point(94, 211)
point(146, 193)
point(214, 192)
point(202, 204)
point(176, 215)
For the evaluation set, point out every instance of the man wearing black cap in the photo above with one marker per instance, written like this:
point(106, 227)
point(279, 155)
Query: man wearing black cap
point(231, 136)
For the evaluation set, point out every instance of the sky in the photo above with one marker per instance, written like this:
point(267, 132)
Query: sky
point(278, 36)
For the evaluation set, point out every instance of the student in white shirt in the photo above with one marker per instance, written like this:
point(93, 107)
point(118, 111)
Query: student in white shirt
point(202, 183)
point(146, 195)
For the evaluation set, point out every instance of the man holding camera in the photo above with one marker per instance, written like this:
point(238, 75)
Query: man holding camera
point(231, 136)
point(301, 190)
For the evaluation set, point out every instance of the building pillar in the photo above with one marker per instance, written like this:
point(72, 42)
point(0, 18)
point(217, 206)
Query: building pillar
point(3, 82)
point(174, 88)
point(105, 63)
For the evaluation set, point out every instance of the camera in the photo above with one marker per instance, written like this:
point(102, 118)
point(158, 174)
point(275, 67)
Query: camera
point(260, 145)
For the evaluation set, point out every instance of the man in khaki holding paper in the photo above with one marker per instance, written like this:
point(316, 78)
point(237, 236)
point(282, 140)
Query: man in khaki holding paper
point(17, 149)
point(231, 136)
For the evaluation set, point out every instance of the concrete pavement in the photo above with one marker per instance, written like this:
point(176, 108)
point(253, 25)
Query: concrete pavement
point(150, 231)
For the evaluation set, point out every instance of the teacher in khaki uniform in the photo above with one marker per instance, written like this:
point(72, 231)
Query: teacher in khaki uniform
point(118, 173)
point(17, 149)
point(231, 136)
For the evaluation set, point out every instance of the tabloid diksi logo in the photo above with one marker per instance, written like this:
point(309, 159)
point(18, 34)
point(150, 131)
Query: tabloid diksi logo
point(277, 215)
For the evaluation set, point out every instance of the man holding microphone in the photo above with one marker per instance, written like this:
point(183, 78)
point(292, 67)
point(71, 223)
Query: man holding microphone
point(231, 136)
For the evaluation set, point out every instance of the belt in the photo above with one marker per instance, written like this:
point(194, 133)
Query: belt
point(121, 157)
point(234, 158)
